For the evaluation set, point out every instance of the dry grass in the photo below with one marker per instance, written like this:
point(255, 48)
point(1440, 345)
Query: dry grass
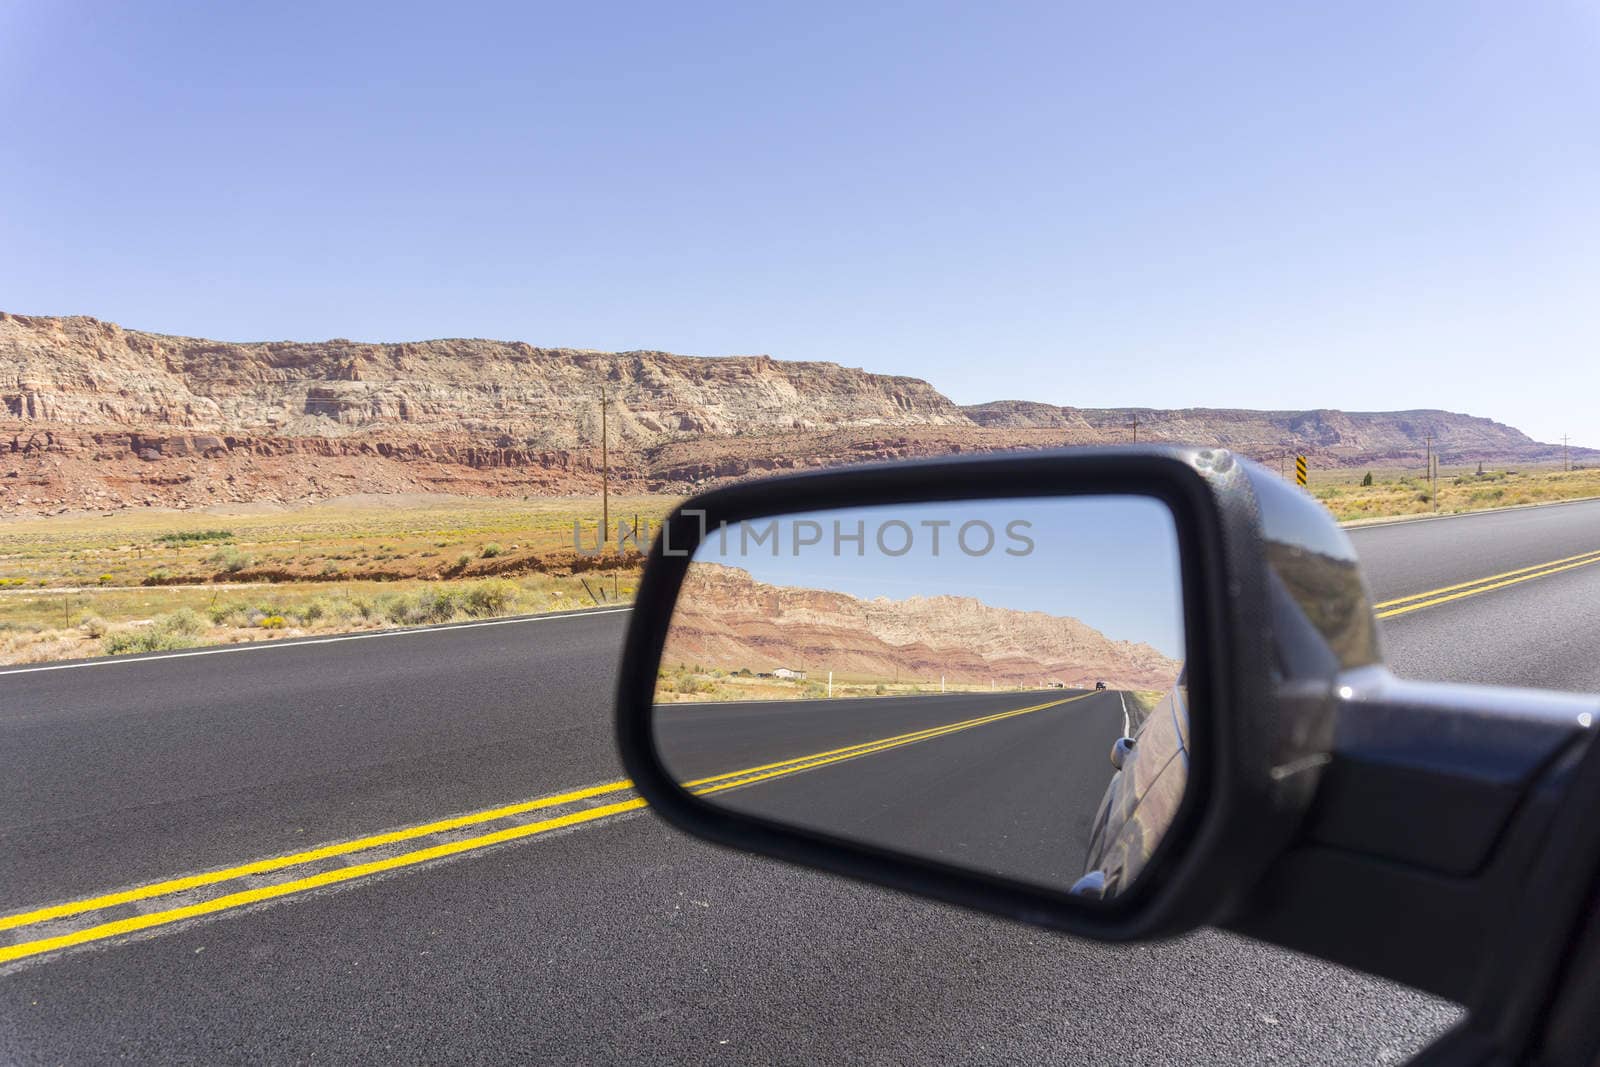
point(35, 627)
point(1399, 493)
point(73, 586)
point(350, 540)
point(82, 585)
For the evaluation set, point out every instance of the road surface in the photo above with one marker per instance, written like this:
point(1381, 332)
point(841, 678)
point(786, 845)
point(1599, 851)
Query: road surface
point(552, 920)
point(1008, 783)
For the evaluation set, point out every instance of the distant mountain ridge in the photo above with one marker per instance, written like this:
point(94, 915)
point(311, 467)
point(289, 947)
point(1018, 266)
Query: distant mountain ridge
point(93, 415)
point(1367, 436)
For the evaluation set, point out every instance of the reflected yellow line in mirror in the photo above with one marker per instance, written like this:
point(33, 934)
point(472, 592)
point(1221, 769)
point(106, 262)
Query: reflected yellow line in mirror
point(750, 775)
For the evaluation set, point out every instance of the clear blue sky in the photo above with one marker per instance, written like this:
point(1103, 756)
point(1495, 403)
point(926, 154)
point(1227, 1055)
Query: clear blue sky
point(1274, 205)
point(1111, 562)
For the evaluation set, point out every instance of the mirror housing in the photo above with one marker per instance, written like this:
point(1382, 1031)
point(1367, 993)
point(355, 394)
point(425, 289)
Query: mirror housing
point(1274, 609)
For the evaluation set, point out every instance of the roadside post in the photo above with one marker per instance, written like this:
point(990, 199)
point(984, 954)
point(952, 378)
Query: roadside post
point(1300, 471)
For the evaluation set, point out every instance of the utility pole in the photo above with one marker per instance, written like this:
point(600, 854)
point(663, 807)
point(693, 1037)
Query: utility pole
point(1134, 426)
point(1427, 444)
point(605, 475)
point(1566, 457)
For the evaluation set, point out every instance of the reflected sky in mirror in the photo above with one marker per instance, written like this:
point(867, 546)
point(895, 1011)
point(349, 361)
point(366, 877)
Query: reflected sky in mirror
point(1111, 562)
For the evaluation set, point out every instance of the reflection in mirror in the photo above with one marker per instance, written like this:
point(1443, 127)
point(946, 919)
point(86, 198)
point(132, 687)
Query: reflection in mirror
point(941, 680)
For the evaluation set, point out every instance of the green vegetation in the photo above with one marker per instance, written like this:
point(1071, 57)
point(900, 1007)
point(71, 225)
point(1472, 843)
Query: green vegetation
point(186, 537)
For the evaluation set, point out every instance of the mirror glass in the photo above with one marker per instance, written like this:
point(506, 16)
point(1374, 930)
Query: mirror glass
point(993, 684)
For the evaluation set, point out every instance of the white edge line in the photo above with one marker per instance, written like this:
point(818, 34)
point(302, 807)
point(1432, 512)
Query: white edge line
point(1127, 727)
point(267, 646)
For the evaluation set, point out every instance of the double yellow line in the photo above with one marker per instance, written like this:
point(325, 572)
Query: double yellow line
point(247, 897)
point(1417, 601)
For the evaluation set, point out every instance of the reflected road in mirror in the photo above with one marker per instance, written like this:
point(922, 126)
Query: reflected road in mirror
point(966, 682)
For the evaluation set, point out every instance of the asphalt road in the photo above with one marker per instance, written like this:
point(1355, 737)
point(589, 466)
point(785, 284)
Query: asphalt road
point(619, 938)
point(1540, 632)
point(1015, 797)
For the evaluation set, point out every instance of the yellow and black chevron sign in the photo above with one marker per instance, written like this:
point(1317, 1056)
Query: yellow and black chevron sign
point(1300, 470)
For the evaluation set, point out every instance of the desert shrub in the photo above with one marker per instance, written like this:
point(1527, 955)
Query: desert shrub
point(234, 615)
point(490, 550)
point(436, 605)
point(462, 560)
point(420, 608)
point(157, 576)
point(273, 622)
point(104, 579)
point(687, 683)
point(489, 598)
point(230, 560)
point(313, 609)
point(94, 626)
point(396, 608)
point(185, 621)
point(1366, 480)
point(175, 630)
point(225, 614)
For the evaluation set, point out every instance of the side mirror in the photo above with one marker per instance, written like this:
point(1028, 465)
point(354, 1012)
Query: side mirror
point(911, 675)
point(1191, 612)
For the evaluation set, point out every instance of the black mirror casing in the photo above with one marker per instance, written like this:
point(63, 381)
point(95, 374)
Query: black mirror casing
point(1274, 608)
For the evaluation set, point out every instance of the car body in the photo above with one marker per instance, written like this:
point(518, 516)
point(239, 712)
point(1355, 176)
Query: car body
point(1142, 797)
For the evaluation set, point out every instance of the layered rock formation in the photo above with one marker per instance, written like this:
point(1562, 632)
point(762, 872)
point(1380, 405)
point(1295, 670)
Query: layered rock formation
point(80, 371)
point(96, 416)
point(727, 620)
